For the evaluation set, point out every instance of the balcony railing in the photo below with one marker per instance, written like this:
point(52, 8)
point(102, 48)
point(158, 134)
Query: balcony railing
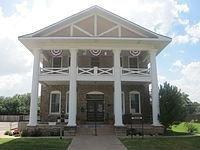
point(95, 71)
point(54, 71)
point(136, 71)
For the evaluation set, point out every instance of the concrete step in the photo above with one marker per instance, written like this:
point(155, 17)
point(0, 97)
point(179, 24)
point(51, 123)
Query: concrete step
point(90, 130)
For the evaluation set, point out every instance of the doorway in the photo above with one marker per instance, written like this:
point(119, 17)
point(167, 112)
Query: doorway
point(95, 106)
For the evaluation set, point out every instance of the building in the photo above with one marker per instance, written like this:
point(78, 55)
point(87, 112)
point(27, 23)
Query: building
point(95, 65)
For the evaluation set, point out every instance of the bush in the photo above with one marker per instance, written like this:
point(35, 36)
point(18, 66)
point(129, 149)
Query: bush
point(10, 134)
point(24, 133)
point(7, 133)
point(36, 132)
point(190, 127)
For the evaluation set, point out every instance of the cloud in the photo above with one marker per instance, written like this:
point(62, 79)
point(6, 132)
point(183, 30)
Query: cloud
point(31, 15)
point(176, 66)
point(189, 81)
point(192, 35)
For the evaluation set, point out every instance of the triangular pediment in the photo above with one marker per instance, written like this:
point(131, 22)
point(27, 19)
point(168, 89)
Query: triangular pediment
point(95, 22)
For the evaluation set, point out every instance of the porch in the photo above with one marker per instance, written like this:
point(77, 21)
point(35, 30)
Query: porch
point(90, 67)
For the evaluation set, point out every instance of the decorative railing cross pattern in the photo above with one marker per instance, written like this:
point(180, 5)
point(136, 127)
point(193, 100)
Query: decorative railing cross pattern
point(135, 71)
point(62, 71)
point(95, 71)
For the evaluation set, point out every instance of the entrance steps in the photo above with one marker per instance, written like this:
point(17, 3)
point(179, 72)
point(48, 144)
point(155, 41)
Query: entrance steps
point(101, 129)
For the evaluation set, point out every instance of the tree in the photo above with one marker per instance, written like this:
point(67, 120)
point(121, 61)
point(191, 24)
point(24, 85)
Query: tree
point(172, 104)
point(18, 104)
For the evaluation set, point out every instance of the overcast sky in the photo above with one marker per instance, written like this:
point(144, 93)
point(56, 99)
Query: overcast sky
point(178, 64)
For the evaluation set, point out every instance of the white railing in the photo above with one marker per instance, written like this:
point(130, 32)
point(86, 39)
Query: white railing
point(56, 71)
point(135, 71)
point(95, 71)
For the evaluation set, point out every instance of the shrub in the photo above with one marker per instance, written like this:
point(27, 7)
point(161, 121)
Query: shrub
point(190, 127)
point(7, 133)
point(10, 134)
point(24, 133)
point(36, 132)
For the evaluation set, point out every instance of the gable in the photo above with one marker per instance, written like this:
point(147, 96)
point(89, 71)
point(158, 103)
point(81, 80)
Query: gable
point(94, 22)
point(96, 26)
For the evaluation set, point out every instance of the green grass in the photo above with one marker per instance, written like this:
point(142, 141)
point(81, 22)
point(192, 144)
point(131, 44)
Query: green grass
point(186, 143)
point(182, 128)
point(34, 144)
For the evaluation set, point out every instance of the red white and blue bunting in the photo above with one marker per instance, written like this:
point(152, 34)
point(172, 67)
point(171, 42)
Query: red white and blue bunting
point(95, 52)
point(56, 53)
point(134, 52)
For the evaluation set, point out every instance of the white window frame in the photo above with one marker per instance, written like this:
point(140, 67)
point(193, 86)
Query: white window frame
point(67, 103)
point(135, 92)
point(60, 60)
point(123, 102)
point(129, 61)
point(55, 92)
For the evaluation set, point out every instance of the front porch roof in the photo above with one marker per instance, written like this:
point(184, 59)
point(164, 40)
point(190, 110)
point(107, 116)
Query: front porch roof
point(97, 28)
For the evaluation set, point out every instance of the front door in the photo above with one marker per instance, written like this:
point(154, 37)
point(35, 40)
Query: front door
point(95, 108)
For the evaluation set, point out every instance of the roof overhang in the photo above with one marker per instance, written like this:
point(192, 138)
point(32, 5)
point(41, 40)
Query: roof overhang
point(32, 43)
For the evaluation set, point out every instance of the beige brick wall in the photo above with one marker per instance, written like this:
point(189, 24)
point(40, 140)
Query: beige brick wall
point(45, 100)
point(144, 98)
point(82, 90)
point(82, 101)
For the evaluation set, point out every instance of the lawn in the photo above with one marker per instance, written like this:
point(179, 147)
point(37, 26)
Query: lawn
point(184, 143)
point(182, 128)
point(34, 143)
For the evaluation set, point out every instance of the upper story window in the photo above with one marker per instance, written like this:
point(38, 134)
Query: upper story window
point(55, 102)
point(134, 98)
point(57, 62)
point(133, 62)
point(67, 103)
point(95, 62)
point(123, 102)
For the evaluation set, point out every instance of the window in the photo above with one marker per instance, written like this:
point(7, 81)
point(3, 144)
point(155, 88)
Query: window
point(57, 62)
point(67, 103)
point(134, 97)
point(95, 62)
point(133, 62)
point(123, 103)
point(121, 61)
point(55, 102)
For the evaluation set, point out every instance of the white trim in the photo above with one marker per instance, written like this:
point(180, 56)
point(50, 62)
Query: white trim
point(120, 31)
point(52, 32)
point(129, 61)
point(55, 92)
point(82, 30)
point(95, 25)
point(123, 103)
point(109, 30)
point(71, 30)
point(135, 92)
point(67, 102)
point(95, 92)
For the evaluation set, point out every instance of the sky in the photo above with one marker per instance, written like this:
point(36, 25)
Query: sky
point(178, 64)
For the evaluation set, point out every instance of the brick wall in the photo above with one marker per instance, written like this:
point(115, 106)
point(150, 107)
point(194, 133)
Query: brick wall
point(82, 102)
point(45, 100)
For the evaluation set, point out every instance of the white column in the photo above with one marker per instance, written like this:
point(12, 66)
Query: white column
point(72, 89)
point(117, 89)
point(34, 90)
point(155, 89)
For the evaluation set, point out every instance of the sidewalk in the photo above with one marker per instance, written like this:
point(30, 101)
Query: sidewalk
point(101, 142)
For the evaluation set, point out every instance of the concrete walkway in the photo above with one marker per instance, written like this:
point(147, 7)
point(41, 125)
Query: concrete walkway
point(100, 142)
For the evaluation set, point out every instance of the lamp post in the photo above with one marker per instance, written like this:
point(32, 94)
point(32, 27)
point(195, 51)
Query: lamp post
point(61, 119)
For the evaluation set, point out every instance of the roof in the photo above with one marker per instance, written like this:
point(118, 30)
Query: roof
point(95, 23)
